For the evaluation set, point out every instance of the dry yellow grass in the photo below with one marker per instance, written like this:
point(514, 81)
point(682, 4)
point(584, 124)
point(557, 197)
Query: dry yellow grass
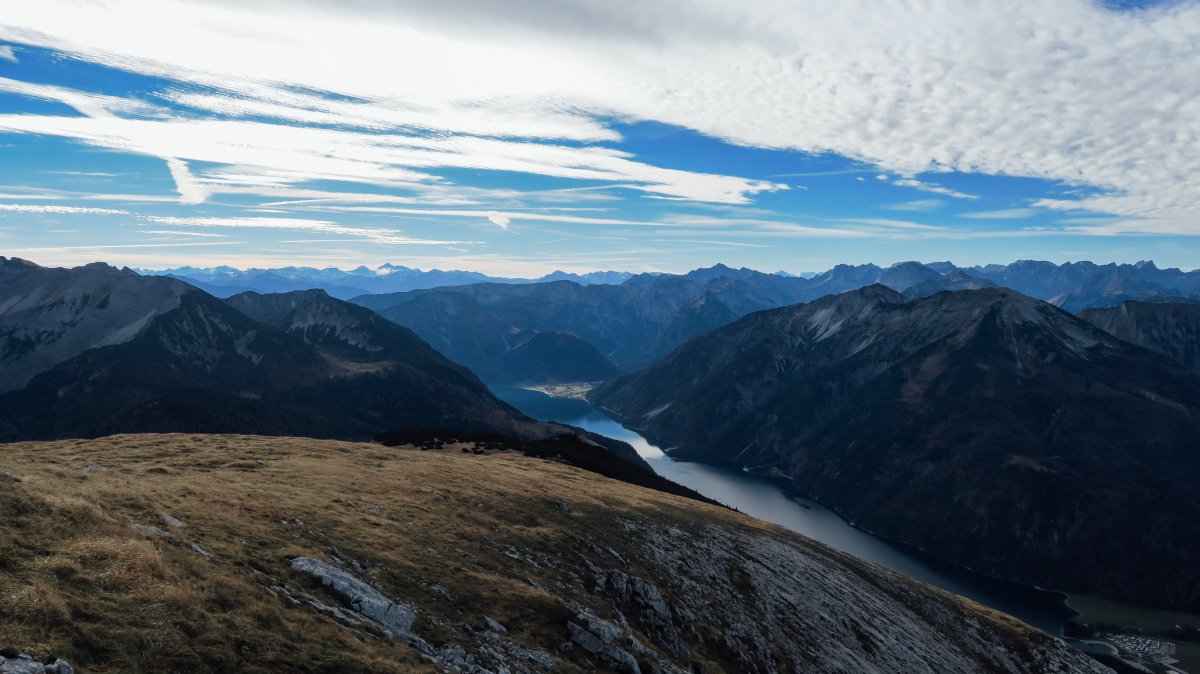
point(79, 582)
point(431, 528)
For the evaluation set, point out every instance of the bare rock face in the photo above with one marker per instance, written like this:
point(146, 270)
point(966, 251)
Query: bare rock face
point(603, 640)
point(395, 619)
point(643, 598)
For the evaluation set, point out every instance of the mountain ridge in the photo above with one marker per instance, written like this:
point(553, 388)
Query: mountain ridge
point(984, 426)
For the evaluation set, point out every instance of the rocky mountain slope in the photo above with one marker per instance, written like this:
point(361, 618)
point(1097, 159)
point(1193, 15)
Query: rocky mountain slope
point(236, 553)
point(630, 324)
point(983, 426)
point(1170, 328)
point(50, 315)
point(150, 354)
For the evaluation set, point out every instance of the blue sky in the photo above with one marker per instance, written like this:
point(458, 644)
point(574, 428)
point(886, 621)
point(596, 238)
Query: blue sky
point(540, 135)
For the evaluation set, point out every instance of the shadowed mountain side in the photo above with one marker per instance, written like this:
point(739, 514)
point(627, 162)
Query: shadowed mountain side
point(983, 426)
point(205, 367)
point(1171, 328)
point(550, 358)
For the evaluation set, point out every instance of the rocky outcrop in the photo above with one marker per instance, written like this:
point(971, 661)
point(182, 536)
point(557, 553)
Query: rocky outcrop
point(394, 619)
point(604, 641)
point(23, 663)
point(641, 599)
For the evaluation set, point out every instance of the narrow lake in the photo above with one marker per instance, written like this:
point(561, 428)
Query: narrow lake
point(769, 500)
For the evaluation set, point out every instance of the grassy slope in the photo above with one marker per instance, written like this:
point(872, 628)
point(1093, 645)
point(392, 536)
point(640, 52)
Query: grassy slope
point(432, 528)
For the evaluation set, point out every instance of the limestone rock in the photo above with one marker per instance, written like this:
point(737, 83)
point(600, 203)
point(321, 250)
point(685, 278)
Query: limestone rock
point(395, 619)
point(602, 639)
point(25, 664)
point(648, 607)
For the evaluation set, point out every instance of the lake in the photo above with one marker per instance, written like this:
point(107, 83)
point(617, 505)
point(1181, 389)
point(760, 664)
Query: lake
point(770, 500)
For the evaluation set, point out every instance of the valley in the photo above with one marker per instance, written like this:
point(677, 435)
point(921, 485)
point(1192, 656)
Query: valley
point(865, 420)
point(772, 500)
point(685, 337)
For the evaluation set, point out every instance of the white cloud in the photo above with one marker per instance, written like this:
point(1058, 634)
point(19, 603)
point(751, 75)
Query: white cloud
point(177, 232)
point(930, 187)
point(1004, 214)
point(60, 210)
point(372, 234)
point(96, 105)
point(499, 219)
point(191, 191)
point(303, 153)
point(6, 53)
point(1044, 90)
point(919, 205)
point(506, 215)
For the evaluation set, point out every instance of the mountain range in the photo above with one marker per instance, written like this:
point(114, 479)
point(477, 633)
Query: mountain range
point(983, 426)
point(96, 350)
point(924, 402)
point(1073, 286)
point(386, 278)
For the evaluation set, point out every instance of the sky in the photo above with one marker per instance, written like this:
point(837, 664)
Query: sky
point(521, 137)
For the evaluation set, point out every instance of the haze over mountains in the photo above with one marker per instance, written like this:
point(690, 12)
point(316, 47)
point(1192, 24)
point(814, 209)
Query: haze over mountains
point(1073, 285)
point(386, 278)
point(984, 426)
point(647, 315)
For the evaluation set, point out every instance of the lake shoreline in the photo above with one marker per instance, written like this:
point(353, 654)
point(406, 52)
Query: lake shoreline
point(773, 498)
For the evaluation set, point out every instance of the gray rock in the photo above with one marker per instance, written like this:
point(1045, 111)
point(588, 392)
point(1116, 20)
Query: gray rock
point(25, 664)
point(494, 625)
point(648, 607)
point(602, 640)
point(200, 551)
point(149, 530)
point(393, 618)
point(95, 468)
point(22, 664)
point(9, 476)
point(171, 521)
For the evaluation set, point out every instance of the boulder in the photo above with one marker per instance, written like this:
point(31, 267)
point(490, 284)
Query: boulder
point(395, 619)
point(24, 663)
